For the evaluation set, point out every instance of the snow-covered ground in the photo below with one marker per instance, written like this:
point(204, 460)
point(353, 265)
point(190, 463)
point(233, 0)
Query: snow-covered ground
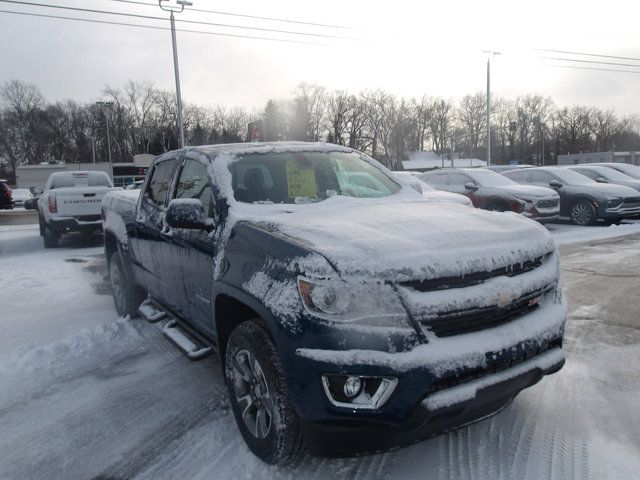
point(84, 394)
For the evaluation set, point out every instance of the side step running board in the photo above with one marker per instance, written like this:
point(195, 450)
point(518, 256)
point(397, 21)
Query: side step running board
point(150, 312)
point(180, 339)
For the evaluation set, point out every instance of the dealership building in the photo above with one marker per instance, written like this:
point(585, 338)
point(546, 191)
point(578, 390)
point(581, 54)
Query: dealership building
point(35, 177)
point(600, 157)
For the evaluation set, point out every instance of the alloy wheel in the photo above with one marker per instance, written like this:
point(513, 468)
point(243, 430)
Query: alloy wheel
point(582, 213)
point(252, 394)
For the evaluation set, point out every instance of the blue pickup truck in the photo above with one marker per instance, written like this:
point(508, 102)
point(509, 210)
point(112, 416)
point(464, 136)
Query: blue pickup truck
point(350, 314)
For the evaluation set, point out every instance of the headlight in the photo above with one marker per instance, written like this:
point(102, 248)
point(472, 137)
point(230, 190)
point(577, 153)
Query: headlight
point(374, 304)
point(525, 203)
point(614, 202)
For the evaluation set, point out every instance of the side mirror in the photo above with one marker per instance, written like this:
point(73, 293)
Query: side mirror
point(472, 187)
point(601, 180)
point(31, 204)
point(187, 213)
point(555, 184)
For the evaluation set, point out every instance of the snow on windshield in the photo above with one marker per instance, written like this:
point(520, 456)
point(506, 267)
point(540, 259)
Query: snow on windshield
point(306, 177)
point(487, 178)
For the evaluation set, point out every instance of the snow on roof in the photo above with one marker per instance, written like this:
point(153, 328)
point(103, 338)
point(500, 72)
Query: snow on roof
point(270, 147)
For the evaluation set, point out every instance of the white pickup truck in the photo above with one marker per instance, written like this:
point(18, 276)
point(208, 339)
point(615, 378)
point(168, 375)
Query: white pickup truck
point(71, 202)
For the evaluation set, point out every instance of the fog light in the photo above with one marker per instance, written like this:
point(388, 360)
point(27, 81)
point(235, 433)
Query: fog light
point(352, 387)
point(358, 392)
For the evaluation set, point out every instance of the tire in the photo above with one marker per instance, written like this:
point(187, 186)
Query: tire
point(51, 237)
point(583, 213)
point(41, 225)
point(127, 297)
point(258, 390)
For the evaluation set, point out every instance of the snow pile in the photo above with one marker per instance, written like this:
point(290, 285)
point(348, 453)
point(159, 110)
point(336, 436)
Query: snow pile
point(28, 358)
point(571, 234)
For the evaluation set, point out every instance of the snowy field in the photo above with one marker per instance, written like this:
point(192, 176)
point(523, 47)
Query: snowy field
point(84, 394)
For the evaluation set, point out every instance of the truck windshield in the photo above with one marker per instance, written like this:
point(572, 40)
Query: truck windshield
point(306, 177)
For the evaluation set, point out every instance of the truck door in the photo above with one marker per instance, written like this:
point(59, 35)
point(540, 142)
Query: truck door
point(195, 248)
point(149, 222)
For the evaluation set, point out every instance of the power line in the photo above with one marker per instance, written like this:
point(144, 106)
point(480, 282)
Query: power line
point(591, 61)
point(591, 68)
point(107, 22)
point(150, 17)
point(255, 17)
point(586, 54)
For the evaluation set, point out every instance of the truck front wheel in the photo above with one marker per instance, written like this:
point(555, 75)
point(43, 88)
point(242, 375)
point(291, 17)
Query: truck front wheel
point(259, 397)
point(127, 296)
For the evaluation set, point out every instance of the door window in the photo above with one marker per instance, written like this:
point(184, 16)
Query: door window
point(160, 182)
point(541, 178)
point(459, 180)
point(194, 183)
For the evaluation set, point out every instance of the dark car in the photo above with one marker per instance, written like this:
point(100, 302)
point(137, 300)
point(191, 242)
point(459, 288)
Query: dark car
point(631, 170)
point(492, 191)
point(346, 317)
point(583, 200)
point(6, 200)
point(607, 175)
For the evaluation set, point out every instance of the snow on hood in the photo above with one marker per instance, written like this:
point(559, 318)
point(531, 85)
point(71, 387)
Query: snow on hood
point(402, 240)
point(441, 196)
point(529, 190)
point(397, 238)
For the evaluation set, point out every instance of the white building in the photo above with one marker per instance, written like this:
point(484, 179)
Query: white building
point(35, 176)
point(600, 157)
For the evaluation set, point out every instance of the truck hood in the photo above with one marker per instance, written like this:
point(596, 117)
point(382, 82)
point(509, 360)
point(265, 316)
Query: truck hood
point(409, 240)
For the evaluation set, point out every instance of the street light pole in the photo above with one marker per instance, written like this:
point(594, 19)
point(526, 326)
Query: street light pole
point(106, 121)
point(489, 103)
point(182, 3)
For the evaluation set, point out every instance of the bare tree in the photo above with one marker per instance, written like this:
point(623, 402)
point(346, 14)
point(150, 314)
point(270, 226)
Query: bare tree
point(472, 118)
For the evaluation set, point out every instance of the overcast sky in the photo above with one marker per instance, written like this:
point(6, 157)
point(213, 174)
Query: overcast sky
point(408, 47)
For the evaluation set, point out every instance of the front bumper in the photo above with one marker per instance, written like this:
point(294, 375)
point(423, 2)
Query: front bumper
point(446, 410)
point(435, 388)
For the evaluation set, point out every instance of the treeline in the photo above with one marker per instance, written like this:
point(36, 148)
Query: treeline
point(140, 118)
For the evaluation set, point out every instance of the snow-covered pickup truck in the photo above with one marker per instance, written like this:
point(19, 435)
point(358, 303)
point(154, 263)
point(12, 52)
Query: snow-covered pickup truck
point(347, 317)
point(71, 202)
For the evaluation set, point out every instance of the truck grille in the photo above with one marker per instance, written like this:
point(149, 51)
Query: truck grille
point(494, 367)
point(549, 203)
point(456, 323)
point(471, 279)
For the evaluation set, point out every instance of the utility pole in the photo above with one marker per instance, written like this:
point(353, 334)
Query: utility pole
point(182, 4)
point(106, 121)
point(490, 54)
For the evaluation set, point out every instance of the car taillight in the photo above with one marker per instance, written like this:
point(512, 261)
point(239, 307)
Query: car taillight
point(53, 208)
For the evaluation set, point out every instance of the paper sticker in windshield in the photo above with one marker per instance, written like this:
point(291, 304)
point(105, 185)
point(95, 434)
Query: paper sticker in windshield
point(301, 180)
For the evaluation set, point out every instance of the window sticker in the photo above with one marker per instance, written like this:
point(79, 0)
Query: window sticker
point(301, 180)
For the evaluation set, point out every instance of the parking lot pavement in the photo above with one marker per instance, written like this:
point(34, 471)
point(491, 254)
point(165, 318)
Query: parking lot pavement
point(84, 394)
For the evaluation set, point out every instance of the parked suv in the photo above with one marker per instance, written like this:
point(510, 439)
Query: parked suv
point(583, 200)
point(492, 191)
point(6, 200)
point(607, 175)
point(349, 313)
